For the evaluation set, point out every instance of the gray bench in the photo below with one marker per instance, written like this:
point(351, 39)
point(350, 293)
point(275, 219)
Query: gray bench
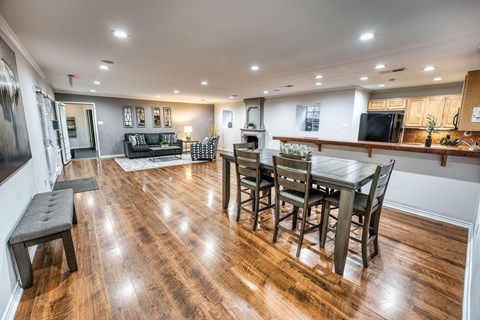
point(49, 216)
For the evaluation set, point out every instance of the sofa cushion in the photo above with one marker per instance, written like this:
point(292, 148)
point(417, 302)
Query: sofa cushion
point(152, 138)
point(141, 148)
point(140, 139)
point(133, 140)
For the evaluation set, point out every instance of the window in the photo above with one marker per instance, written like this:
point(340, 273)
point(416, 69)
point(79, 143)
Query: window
point(308, 117)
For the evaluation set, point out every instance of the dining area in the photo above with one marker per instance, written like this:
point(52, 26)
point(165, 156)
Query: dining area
point(290, 185)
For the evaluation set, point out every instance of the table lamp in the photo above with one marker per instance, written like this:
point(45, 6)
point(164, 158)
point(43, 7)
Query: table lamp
point(188, 130)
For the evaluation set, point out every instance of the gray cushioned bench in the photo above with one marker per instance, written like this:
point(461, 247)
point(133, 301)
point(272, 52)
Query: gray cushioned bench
point(49, 216)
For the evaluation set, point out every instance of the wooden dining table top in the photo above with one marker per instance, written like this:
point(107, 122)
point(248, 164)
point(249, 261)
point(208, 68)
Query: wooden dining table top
point(329, 171)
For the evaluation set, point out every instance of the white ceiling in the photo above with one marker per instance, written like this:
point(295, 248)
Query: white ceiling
point(175, 44)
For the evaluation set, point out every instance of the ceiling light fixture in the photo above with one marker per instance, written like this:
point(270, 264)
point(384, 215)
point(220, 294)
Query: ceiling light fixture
point(265, 92)
point(176, 91)
point(363, 78)
point(437, 79)
point(380, 66)
point(97, 83)
point(158, 96)
point(93, 90)
point(204, 83)
point(254, 67)
point(318, 83)
point(318, 76)
point(120, 34)
point(367, 36)
point(382, 85)
point(429, 68)
point(104, 67)
point(232, 96)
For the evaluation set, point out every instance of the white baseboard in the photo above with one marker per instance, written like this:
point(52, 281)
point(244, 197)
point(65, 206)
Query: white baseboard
point(113, 156)
point(430, 215)
point(12, 305)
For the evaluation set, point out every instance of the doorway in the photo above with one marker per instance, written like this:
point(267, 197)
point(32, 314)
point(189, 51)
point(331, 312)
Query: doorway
point(82, 130)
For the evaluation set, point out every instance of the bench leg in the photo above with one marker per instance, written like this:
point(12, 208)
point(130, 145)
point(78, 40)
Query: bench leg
point(69, 250)
point(74, 215)
point(24, 264)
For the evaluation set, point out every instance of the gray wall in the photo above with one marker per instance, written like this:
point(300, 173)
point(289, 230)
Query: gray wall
point(109, 110)
point(436, 90)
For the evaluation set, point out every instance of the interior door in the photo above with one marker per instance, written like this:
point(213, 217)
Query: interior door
point(64, 141)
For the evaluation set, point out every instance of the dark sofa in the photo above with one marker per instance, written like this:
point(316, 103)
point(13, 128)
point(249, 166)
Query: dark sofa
point(152, 139)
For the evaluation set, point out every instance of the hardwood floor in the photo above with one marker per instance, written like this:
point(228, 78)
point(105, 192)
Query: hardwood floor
point(156, 244)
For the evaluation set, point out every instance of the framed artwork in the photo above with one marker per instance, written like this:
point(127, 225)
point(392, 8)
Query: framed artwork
point(157, 117)
point(140, 117)
point(167, 117)
point(127, 117)
point(14, 145)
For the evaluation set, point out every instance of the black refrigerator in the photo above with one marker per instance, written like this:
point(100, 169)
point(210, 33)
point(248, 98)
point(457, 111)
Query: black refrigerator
point(381, 127)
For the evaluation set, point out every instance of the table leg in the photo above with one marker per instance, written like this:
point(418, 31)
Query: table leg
point(343, 229)
point(225, 182)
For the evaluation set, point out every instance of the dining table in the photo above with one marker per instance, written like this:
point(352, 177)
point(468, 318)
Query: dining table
point(344, 175)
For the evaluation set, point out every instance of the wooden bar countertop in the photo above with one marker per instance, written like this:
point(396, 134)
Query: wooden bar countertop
point(418, 148)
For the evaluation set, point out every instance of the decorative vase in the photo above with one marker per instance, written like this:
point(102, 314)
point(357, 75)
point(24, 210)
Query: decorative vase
point(164, 146)
point(428, 141)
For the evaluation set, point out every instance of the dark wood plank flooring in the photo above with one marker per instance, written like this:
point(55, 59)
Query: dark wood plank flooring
point(156, 244)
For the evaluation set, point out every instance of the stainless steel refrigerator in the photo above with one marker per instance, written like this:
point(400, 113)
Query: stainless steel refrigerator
point(381, 127)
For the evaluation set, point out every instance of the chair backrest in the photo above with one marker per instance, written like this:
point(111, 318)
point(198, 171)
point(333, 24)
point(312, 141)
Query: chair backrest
point(244, 145)
point(379, 184)
point(247, 164)
point(292, 174)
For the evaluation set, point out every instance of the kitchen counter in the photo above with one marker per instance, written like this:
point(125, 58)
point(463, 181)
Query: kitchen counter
point(443, 151)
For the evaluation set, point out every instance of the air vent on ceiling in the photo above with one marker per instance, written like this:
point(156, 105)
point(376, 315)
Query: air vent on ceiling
point(393, 70)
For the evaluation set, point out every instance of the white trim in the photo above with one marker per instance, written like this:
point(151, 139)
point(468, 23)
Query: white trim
point(468, 276)
point(12, 305)
point(81, 147)
point(5, 27)
point(426, 214)
point(121, 155)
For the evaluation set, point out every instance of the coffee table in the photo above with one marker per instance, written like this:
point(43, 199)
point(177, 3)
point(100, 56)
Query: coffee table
point(167, 151)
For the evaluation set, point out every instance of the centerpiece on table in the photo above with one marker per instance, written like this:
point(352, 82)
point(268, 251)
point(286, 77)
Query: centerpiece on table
point(164, 144)
point(430, 128)
point(296, 151)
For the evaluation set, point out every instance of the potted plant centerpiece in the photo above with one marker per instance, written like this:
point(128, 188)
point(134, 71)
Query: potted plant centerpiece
point(430, 128)
point(251, 125)
point(164, 144)
point(296, 151)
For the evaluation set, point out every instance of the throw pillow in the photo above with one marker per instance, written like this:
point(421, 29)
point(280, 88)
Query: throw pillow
point(133, 140)
point(140, 139)
point(170, 137)
point(206, 141)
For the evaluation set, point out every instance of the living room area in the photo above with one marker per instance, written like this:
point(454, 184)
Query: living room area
point(143, 147)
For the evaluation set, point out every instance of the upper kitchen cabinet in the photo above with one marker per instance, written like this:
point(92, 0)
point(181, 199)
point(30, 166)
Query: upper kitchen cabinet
point(434, 106)
point(469, 117)
point(450, 111)
point(414, 116)
point(387, 104)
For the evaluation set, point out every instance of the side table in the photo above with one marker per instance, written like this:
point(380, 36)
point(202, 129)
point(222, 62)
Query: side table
point(186, 144)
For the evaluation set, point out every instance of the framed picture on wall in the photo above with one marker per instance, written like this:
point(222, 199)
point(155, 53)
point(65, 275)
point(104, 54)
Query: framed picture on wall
point(157, 117)
point(140, 117)
point(167, 117)
point(127, 115)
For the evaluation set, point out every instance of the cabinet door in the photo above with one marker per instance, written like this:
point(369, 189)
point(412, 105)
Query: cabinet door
point(396, 104)
point(414, 113)
point(377, 105)
point(452, 106)
point(434, 106)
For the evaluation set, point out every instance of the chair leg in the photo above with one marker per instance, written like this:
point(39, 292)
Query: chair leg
point(74, 215)
point(294, 217)
point(239, 200)
point(365, 236)
point(69, 250)
point(277, 218)
point(302, 231)
point(256, 209)
point(376, 223)
point(325, 218)
point(24, 264)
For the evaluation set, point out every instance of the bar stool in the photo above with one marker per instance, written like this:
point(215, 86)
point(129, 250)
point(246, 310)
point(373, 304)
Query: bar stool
point(368, 206)
point(251, 182)
point(293, 185)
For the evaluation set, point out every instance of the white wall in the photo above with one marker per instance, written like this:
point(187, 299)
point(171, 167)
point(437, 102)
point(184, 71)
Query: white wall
point(229, 136)
point(475, 268)
point(78, 112)
point(16, 192)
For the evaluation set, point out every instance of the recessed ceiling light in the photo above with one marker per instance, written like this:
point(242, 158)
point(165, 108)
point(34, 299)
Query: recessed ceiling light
point(176, 91)
point(380, 66)
point(232, 96)
point(367, 36)
point(318, 76)
point(382, 85)
point(254, 67)
point(363, 78)
point(158, 96)
point(429, 68)
point(204, 83)
point(104, 67)
point(120, 34)
point(437, 79)
point(318, 83)
point(97, 83)
point(265, 92)
point(93, 90)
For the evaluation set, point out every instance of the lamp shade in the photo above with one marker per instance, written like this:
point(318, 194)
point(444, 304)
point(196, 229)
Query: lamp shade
point(187, 129)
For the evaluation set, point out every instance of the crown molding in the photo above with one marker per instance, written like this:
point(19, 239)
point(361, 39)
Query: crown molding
point(5, 27)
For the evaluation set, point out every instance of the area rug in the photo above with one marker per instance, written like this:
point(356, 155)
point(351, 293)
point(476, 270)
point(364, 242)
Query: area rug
point(144, 163)
point(78, 185)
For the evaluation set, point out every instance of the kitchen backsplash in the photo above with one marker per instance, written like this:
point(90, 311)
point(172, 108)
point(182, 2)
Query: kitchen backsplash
point(419, 135)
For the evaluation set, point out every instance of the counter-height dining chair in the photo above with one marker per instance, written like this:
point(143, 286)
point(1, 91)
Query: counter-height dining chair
point(251, 182)
point(368, 206)
point(293, 185)
point(244, 145)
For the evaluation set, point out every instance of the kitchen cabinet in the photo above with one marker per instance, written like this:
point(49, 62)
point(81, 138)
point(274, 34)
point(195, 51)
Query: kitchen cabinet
point(434, 106)
point(450, 110)
point(377, 105)
point(396, 104)
point(387, 104)
point(470, 102)
point(414, 115)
